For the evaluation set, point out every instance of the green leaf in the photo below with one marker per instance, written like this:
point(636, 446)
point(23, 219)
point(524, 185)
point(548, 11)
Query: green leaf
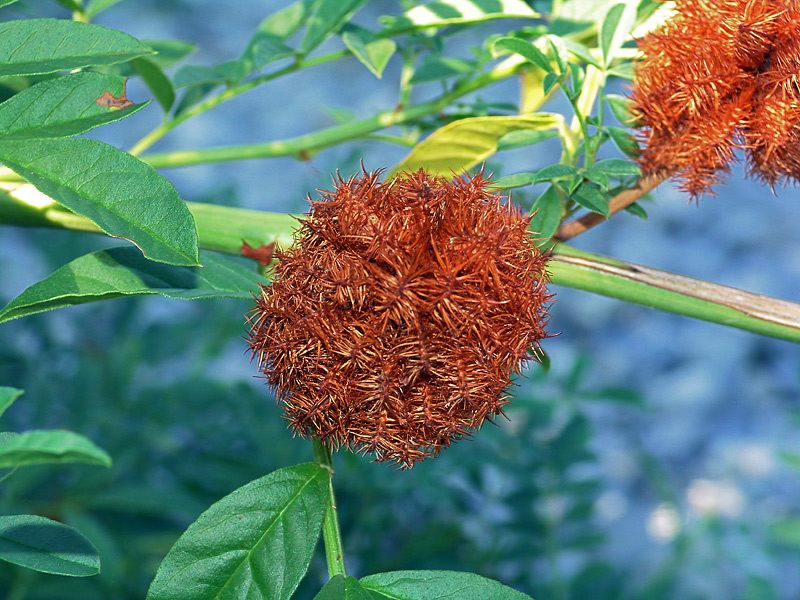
point(526, 50)
point(120, 272)
point(636, 210)
point(38, 46)
point(553, 172)
point(6, 2)
point(621, 107)
point(437, 585)
point(513, 181)
point(121, 194)
point(580, 51)
point(615, 167)
point(62, 107)
point(615, 30)
point(73, 5)
point(549, 81)
point(624, 140)
point(8, 395)
point(169, 52)
point(277, 28)
point(48, 546)
point(522, 138)
point(463, 144)
point(266, 48)
point(436, 68)
point(227, 73)
point(591, 198)
point(96, 6)
point(156, 81)
point(456, 12)
point(257, 542)
point(372, 53)
point(343, 588)
point(328, 17)
point(44, 447)
point(4, 437)
point(546, 214)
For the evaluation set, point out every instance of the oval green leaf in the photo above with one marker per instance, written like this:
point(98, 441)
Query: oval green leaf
point(526, 50)
point(372, 53)
point(591, 198)
point(463, 144)
point(437, 585)
point(44, 447)
point(546, 215)
point(8, 396)
point(255, 543)
point(328, 17)
point(125, 197)
point(38, 46)
point(122, 272)
point(48, 546)
point(62, 107)
point(343, 588)
point(156, 81)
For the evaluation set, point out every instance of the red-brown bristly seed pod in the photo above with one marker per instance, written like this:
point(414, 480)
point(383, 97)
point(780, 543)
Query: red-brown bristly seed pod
point(721, 75)
point(393, 324)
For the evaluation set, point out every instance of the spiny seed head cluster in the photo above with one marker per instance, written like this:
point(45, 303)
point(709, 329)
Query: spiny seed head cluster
point(393, 324)
point(721, 75)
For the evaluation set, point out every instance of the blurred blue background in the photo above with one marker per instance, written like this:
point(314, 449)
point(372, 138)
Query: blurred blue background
point(648, 463)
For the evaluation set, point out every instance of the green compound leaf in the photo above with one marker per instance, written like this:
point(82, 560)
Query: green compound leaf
point(255, 543)
point(455, 12)
point(437, 585)
point(591, 198)
point(328, 17)
point(8, 395)
point(122, 272)
point(44, 447)
point(38, 46)
point(125, 197)
point(48, 546)
point(463, 144)
point(63, 107)
point(343, 588)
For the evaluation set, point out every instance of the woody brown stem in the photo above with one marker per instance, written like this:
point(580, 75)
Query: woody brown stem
point(617, 203)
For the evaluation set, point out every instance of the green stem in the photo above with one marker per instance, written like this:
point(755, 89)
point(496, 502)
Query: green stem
point(330, 525)
point(303, 146)
point(160, 131)
point(223, 228)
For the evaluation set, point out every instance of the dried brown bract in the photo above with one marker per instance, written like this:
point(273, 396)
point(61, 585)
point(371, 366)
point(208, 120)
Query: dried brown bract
point(395, 321)
point(722, 75)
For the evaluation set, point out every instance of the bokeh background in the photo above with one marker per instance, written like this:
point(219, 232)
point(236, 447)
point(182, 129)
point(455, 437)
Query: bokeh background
point(656, 459)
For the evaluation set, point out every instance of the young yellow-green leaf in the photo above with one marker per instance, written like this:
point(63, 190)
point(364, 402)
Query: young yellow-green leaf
point(255, 543)
point(122, 272)
point(62, 107)
point(8, 396)
point(38, 46)
point(454, 12)
point(47, 546)
point(522, 138)
point(156, 81)
point(615, 30)
point(125, 197)
point(343, 588)
point(437, 585)
point(43, 447)
point(328, 17)
point(372, 53)
point(463, 144)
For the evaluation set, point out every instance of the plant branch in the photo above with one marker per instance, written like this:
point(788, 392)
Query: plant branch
point(625, 198)
point(222, 228)
point(331, 534)
point(163, 129)
point(303, 146)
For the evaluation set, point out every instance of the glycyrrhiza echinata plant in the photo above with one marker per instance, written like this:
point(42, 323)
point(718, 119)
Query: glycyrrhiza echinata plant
point(402, 305)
